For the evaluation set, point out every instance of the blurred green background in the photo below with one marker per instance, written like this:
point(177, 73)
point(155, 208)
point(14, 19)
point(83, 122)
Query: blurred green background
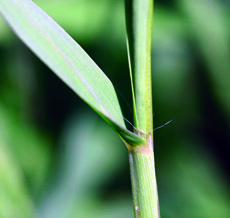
point(58, 159)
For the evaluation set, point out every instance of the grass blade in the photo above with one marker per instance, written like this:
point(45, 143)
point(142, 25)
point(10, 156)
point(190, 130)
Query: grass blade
point(68, 60)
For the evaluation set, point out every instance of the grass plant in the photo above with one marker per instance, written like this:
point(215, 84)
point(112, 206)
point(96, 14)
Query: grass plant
point(71, 64)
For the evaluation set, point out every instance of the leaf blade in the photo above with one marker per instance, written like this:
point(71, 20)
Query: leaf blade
point(67, 59)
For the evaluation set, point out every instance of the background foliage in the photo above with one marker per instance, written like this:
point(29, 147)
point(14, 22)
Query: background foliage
point(55, 159)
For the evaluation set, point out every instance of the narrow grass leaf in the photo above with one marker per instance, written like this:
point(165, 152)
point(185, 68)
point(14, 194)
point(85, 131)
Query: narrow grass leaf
point(68, 60)
point(139, 14)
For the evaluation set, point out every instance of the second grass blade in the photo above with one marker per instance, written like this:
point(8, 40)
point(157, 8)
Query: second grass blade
point(139, 15)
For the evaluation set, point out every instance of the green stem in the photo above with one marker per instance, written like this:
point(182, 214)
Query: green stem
point(144, 187)
point(139, 17)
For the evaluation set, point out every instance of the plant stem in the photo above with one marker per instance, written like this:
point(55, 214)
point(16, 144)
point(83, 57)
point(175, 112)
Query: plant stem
point(139, 16)
point(144, 188)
